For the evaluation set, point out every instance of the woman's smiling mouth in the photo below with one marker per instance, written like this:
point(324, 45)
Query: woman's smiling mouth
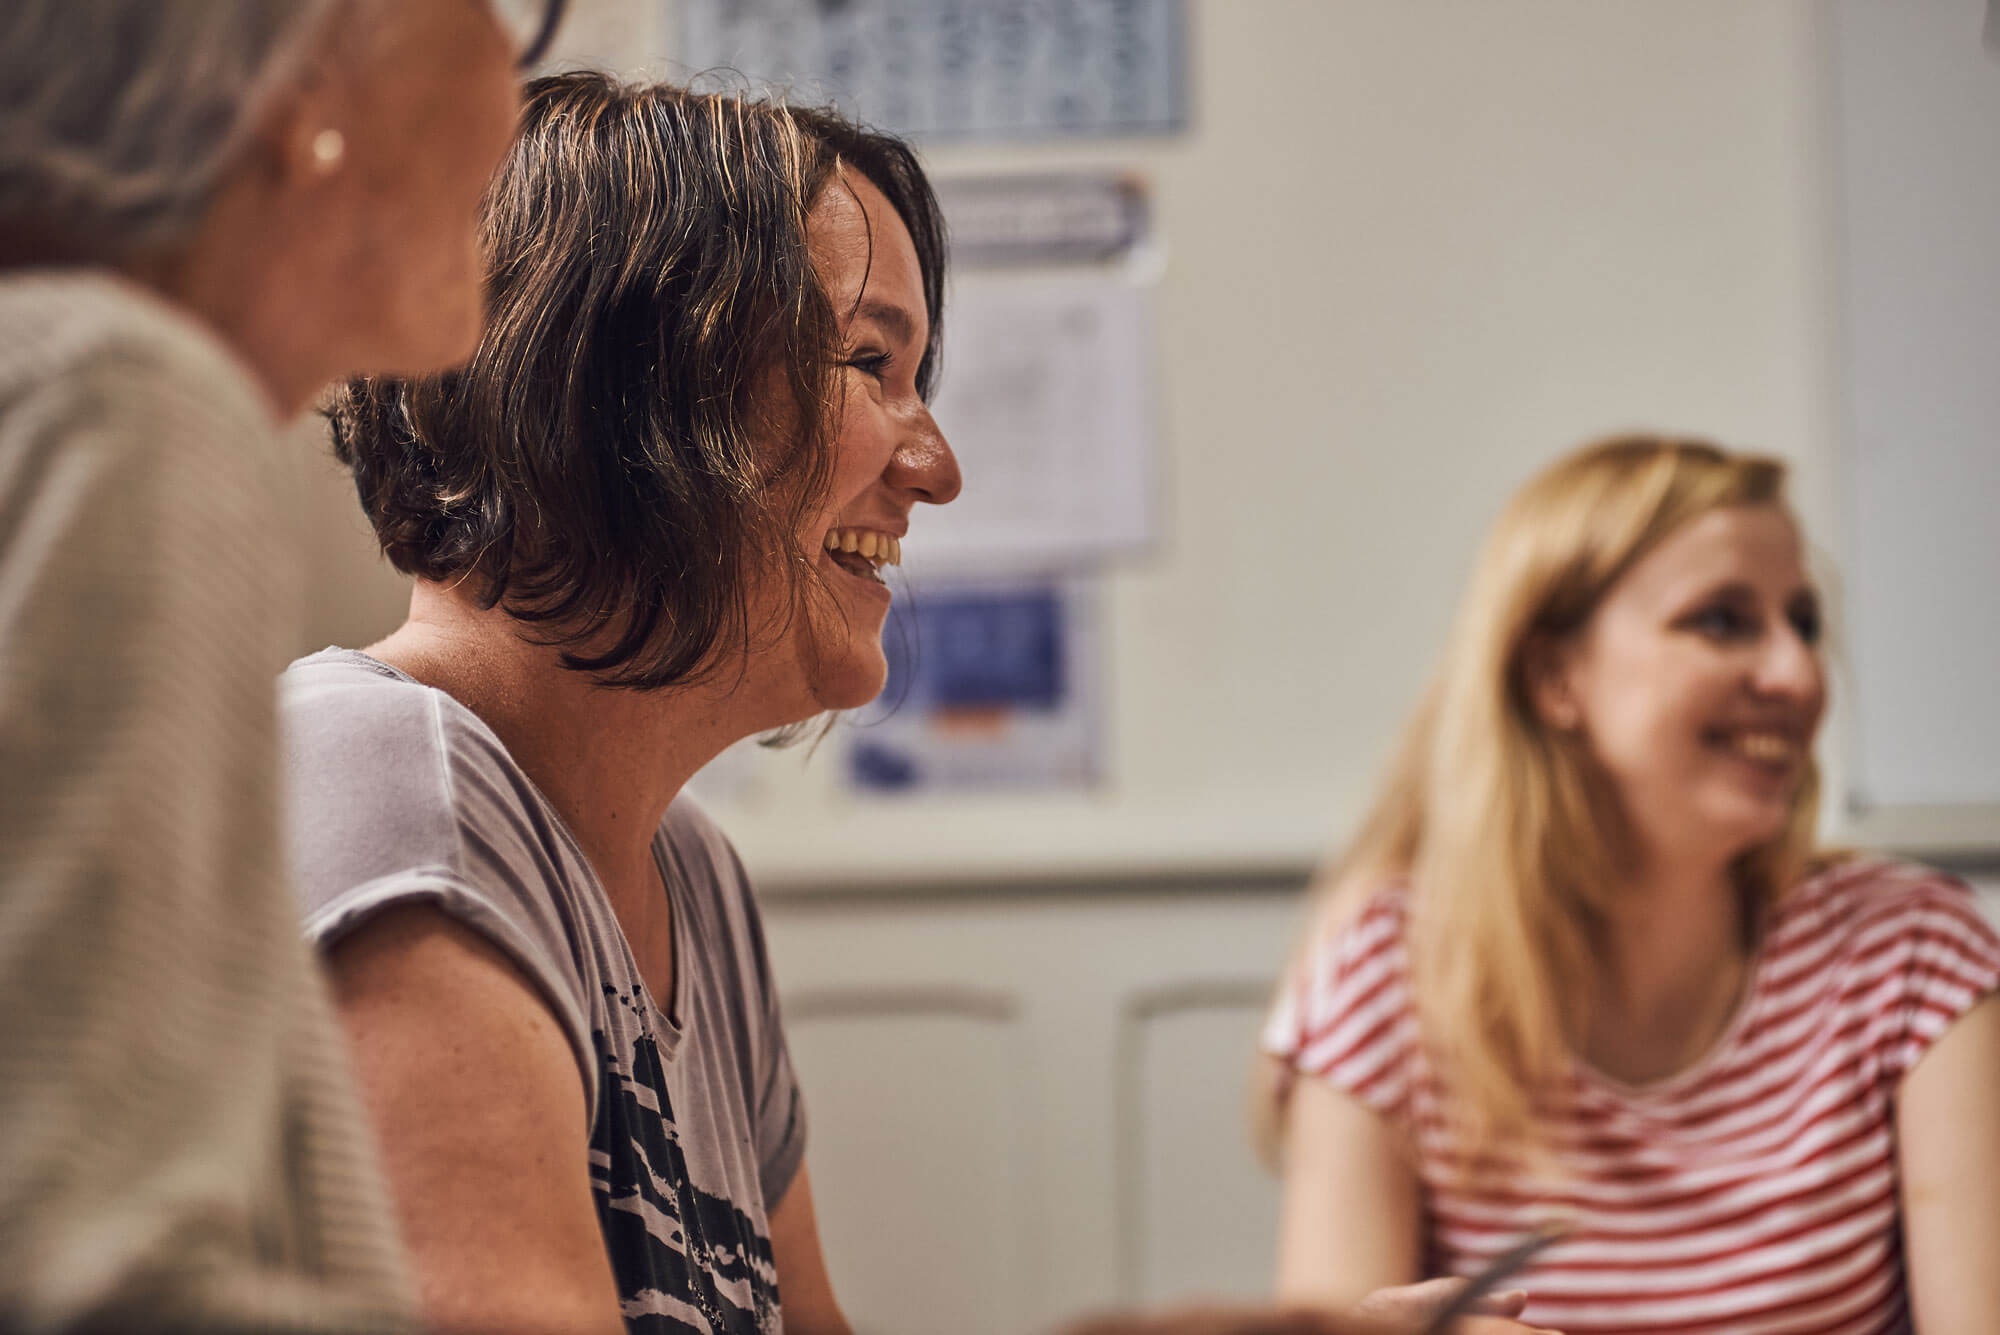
point(862, 552)
point(1773, 749)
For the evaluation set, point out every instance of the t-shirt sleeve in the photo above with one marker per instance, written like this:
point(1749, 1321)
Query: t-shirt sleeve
point(781, 1111)
point(395, 802)
point(777, 1108)
point(1925, 956)
point(1345, 1015)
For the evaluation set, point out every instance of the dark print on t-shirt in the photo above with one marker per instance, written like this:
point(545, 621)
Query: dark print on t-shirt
point(687, 1262)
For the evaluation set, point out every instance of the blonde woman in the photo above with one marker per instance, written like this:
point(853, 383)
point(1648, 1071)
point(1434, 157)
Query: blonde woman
point(1584, 963)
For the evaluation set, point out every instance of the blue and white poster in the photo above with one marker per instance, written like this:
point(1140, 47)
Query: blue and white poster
point(991, 686)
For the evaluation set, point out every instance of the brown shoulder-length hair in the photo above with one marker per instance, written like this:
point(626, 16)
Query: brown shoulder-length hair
point(604, 466)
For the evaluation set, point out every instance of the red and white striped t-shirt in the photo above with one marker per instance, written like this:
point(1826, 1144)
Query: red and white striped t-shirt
point(1753, 1192)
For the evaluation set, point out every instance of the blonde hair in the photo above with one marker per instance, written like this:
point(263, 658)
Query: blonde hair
point(1496, 819)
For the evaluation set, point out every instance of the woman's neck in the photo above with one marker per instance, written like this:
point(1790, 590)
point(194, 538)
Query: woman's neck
point(229, 275)
point(1673, 962)
point(609, 760)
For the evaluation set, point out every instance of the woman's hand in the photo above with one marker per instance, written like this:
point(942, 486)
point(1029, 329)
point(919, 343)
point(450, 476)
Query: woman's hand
point(1400, 1311)
point(1415, 1306)
point(1236, 1321)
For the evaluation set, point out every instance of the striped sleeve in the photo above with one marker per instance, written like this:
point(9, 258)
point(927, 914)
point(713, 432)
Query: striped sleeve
point(1924, 957)
point(1346, 1017)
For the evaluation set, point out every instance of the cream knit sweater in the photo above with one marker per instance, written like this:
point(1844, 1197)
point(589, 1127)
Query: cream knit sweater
point(180, 1145)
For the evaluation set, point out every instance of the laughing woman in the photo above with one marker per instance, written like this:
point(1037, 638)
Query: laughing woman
point(645, 522)
point(1584, 962)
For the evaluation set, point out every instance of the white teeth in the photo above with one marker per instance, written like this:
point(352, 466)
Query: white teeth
point(880, 548)
point(1767, 746)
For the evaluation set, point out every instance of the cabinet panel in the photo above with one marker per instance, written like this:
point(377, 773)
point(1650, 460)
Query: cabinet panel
point(1027, 1106)
point(917, 1153)
point(1201, 1213)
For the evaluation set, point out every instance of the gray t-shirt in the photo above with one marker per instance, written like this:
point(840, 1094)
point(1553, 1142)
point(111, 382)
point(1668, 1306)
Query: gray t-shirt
point(401, 795)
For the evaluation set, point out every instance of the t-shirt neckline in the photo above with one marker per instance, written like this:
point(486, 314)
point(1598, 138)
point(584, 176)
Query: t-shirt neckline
point(1726, 1042)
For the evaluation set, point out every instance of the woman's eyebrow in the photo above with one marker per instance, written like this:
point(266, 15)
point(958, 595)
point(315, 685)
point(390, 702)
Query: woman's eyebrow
point(894, 320)
point(1734, 590)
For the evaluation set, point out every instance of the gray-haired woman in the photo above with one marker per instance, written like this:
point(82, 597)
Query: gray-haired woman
point(208, 208)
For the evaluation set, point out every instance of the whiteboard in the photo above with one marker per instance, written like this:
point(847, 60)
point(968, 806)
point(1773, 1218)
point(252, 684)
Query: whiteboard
point(1917, 107)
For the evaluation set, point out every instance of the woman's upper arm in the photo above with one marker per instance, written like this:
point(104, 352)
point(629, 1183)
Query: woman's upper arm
point(1948, 1154)
point(473, 1088)
point(1349, 1223)
point(804, 1287)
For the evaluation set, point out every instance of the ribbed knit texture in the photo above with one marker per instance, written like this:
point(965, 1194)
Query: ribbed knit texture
point(180, 1144)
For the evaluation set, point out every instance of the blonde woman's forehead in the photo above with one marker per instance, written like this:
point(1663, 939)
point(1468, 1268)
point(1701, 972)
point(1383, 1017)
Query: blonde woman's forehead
point(1758, 545)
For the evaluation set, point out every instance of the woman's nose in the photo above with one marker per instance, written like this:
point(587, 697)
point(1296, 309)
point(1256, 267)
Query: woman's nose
point(924, 463)
point(1790, 666)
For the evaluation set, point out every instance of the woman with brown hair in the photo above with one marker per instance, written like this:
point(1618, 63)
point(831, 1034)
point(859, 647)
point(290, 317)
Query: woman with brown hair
point(1586, 968)
point(645, 520)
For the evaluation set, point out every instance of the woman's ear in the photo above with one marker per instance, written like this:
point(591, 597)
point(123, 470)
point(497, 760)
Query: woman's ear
point(300, 137)
point(1546, 671)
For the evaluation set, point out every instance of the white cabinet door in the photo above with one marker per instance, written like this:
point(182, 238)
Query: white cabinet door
point(1024, 1107)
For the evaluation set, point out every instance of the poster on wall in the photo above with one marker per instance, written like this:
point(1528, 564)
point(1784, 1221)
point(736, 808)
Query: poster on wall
point(1050, 383)
point(992, 687)
point(961, 69)
point(1047, 398)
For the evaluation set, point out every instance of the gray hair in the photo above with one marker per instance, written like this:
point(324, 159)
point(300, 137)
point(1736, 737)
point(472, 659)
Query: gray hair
point(119, 117)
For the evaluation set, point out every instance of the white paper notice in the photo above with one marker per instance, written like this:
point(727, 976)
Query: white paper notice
point(1046, 399)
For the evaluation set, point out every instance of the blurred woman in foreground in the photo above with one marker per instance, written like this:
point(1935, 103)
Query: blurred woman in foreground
point(206, 212)
point(1584, 966)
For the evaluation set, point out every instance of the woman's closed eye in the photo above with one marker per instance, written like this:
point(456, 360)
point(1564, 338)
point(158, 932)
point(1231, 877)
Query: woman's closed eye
point(871, 361)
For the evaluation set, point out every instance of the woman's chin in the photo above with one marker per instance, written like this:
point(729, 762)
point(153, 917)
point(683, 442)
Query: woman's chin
point(853, 682)
point(1748, 826)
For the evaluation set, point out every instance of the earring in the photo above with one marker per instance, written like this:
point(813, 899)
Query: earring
point(329, 146)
